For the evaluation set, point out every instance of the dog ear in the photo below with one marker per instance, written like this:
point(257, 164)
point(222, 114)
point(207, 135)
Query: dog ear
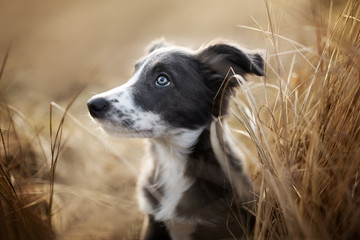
point(159, 43)
point(221, 56)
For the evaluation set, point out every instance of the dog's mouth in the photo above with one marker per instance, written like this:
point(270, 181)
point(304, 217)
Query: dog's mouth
point(124, 129)
point(126, 132)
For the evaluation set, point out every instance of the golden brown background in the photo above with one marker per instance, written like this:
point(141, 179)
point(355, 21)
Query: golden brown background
point(58, 46)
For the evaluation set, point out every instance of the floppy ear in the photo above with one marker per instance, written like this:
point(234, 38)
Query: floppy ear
point(221, 56)
point(159, 43)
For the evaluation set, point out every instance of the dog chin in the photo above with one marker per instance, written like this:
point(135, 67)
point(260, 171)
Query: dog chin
point(122, 132)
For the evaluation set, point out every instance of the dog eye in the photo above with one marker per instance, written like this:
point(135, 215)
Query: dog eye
point(162, 81)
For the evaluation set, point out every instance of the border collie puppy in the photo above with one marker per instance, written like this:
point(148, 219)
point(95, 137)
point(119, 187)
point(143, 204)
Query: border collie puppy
point(193, 185)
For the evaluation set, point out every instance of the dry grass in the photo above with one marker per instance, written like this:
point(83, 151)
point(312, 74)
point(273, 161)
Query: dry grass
point(306, 136)
point(24, 213)
point(308, 139)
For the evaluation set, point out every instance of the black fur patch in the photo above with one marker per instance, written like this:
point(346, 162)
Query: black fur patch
point(156, 230)
point(222, 56)
point(208, 198)
point(198, 83)
point(211, 198)
point(186, 102)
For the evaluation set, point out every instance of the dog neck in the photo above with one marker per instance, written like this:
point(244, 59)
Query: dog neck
point(166, 173)
point(180, 141)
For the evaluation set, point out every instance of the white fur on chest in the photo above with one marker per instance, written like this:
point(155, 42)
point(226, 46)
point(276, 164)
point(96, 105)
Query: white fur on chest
point(168, 165)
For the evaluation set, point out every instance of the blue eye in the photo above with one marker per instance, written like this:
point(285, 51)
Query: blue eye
point(162, 81)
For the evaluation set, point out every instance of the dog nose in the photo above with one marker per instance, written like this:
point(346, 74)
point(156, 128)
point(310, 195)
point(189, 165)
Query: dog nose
point(98, 107)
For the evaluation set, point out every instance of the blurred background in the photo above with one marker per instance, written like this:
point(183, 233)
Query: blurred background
point(58, 47)
point(55, 45)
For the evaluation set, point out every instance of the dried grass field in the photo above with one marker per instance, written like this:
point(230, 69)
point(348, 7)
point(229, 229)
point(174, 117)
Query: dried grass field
point(299, 127)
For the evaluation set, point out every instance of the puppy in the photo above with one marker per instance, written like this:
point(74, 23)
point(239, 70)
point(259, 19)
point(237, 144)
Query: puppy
point(193, 185)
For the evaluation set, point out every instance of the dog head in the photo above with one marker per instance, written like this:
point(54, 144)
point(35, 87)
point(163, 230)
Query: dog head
point(173, 88)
